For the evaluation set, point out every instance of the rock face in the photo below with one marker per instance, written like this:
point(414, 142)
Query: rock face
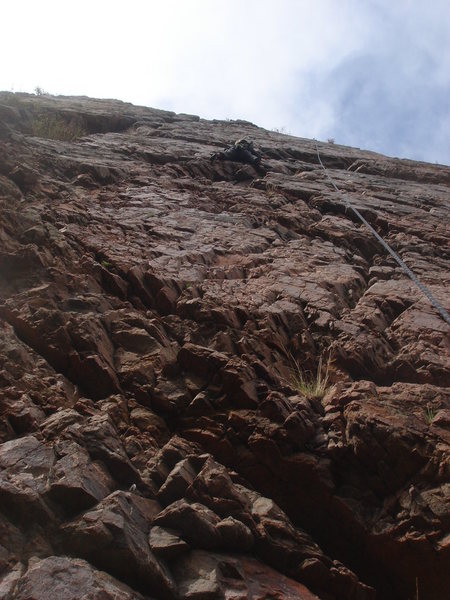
point(159, 316)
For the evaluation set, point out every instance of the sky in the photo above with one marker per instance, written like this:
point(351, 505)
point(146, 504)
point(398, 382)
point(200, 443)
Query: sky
point(368, 73)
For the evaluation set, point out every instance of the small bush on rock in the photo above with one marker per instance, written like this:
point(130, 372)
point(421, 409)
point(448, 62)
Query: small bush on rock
point(40, 92)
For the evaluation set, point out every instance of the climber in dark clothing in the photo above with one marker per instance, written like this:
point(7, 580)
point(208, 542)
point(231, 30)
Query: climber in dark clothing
point(241, 151)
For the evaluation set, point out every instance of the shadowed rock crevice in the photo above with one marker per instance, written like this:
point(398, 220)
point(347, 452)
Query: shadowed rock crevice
point(163, 321)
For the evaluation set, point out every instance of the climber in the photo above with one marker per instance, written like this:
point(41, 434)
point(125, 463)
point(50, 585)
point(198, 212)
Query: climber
point(241, 151)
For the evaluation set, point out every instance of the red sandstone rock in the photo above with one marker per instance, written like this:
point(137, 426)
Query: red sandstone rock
point(202, 575)
point(69, 579)
point(114, 535)
point(166, 543)
point(154, 308)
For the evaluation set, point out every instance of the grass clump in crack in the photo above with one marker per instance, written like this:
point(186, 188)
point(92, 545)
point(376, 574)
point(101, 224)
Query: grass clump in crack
point(430, 413)
point(312, 385)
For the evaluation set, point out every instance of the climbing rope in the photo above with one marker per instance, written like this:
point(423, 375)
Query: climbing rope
point(437, 305)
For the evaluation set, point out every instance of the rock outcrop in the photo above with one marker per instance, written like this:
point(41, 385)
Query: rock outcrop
point(160, 314)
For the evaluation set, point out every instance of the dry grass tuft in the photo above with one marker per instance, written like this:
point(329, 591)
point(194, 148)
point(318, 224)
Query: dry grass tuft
point(312, 385)
point(54, 127)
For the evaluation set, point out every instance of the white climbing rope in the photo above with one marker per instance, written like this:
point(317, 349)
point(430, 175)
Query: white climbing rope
point(437, 305)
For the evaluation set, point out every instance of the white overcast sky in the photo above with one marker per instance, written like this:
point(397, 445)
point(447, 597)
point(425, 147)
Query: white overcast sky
point(368, 73)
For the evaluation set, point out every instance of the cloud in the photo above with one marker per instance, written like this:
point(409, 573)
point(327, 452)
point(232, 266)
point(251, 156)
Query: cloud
point(374, 74)
point(393, 95)
point(390, 109)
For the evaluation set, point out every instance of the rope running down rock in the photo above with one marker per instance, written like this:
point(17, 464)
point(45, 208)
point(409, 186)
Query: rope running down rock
point(392, 252)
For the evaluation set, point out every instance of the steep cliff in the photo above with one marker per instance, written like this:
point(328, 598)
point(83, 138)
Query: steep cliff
point(160, 314)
